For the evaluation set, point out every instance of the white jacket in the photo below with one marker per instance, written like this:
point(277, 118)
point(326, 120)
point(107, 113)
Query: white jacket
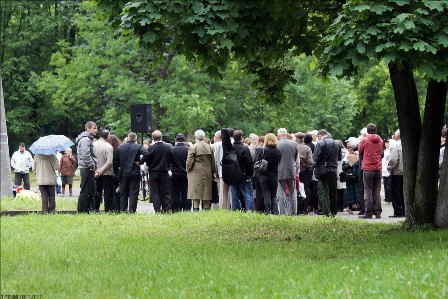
point(22, 162)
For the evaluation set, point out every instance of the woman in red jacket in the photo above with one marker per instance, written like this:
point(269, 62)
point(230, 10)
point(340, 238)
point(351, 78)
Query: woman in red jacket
point(67, 170)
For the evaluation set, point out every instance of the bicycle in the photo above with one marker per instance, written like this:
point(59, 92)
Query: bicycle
point(144, 185)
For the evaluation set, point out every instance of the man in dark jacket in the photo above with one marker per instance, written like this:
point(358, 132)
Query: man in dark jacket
point(127, 164)
point(371, 150)
point(159, 161)
point(246, 165)
point(326, 155)
point(179, 181)
point(87, 164)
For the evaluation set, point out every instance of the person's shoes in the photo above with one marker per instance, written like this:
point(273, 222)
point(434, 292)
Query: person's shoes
point(365, 216)
point(361, 212)
point(195, 209)
point(71, 194)
point(318, 212)
point(396, 216)
point(377, 216)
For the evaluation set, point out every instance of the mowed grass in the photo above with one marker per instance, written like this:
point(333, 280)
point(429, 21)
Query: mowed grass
point(22, 203)
point(218, 254)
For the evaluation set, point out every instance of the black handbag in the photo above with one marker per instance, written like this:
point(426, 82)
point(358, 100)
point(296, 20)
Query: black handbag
point(320, 171)
point(261, 165)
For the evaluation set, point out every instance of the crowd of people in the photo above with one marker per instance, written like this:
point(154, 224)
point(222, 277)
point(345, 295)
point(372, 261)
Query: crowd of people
point(286, 174)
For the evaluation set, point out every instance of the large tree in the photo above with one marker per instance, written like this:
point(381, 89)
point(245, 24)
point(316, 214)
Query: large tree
point(410, 36)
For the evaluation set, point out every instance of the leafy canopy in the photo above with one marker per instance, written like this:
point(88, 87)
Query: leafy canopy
point(394, 30)
point(257, 34)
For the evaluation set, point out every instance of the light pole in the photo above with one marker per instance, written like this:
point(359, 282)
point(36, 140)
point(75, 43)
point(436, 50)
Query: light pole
point(5, 162)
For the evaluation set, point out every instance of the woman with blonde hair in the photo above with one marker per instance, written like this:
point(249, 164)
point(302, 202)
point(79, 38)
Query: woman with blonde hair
point(269, 179)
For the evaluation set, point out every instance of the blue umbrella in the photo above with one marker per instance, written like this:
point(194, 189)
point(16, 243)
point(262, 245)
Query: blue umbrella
point(51, 144)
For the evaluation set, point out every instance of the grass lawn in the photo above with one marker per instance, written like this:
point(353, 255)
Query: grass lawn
point(218, 254)
point(20, 204)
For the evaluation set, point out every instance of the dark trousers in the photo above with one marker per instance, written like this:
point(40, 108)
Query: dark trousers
point(104, 183)
point(86, 196)
point(328, 190)
point(48, 195)
point(397, 194)
point(259, 198)
point(314, 190)
point(160, 191)
point(305, 176)
point(179, 187)
point(115, 194)
point(18, 177)
point(387, 190)
point(372, 191)
point(129, 188)
point(341, 199)
point(269, 189)
point(362, 204)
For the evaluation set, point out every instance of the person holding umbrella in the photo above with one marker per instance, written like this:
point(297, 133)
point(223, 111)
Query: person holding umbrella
point(45, 167)
point(46, 164)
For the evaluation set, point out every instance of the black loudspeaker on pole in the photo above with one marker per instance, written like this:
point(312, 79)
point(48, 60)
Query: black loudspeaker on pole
point(141, 118)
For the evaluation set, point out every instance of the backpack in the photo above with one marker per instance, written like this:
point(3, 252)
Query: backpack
point(231, 171)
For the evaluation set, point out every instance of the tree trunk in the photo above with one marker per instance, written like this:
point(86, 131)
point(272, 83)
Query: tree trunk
point(408, 113)
point(5, 160)
point(420, 147)
point(441, 210)
point(426, 188)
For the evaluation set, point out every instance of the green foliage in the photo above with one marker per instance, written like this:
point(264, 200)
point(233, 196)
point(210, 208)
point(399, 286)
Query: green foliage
point(29, 32)
point(312, 103)
point(28, 204)
point(98, 72)
point(98, 77)
point(257, 34)
point(211, 254)
point(396, 31)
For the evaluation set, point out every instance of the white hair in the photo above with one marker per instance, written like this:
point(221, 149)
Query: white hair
point(282, 131)
point(363, 132)
point(199, 134)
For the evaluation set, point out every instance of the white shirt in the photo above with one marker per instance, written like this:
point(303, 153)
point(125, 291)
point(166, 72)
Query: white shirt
point(22, 162)
point(385, 162)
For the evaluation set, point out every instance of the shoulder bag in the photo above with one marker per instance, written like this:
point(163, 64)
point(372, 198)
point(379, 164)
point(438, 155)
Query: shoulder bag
point(261, 165)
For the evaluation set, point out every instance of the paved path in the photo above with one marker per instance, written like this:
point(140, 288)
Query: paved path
point(146, 207)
